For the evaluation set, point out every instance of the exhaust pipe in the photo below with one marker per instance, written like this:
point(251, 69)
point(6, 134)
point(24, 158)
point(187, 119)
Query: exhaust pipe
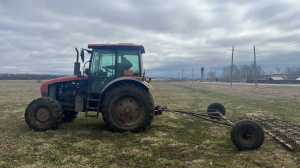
point(77, 64)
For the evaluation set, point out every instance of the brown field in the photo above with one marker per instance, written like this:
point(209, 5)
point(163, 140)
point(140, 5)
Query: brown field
point(173, 140)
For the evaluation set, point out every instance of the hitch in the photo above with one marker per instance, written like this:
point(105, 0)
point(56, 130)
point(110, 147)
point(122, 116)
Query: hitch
point(159, 110)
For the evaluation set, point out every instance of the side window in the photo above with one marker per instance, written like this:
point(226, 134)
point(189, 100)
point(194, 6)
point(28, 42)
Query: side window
point(103, 63)
point(128, 63)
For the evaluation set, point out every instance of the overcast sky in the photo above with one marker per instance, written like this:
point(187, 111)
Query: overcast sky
point(39, 36)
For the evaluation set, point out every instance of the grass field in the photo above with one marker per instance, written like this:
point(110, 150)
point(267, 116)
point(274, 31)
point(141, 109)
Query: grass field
point(173, 140)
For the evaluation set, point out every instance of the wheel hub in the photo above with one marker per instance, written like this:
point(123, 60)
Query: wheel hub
point(128, 111)
point(248, 136)
point(42, 114)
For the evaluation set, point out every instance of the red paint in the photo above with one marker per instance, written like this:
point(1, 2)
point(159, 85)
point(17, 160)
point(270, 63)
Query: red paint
point(44, 86)
point(128, 72)
point(135, 77)
point(111, 45)
point(117, 45)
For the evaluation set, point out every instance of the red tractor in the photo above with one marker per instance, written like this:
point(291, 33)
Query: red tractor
point(114, 85)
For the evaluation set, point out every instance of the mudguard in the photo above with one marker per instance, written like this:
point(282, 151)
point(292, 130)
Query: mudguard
point(126, 80)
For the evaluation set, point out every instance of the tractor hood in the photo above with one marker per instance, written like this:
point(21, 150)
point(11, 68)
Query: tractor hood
point(44, 86)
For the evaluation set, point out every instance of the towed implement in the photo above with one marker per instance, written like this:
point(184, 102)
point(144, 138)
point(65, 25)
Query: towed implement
point(114, 85)
point(246, 134)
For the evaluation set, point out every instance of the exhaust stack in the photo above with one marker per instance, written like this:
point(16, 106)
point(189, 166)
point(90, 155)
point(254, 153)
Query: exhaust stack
point(77, 64)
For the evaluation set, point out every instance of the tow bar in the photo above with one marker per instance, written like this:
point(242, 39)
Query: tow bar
point(245, 134)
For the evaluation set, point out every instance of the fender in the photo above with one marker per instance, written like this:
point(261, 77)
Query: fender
point(122, 80)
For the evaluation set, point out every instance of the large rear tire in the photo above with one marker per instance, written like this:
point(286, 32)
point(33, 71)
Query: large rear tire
point(247, 135)
point(128, 108)
point(43, 114)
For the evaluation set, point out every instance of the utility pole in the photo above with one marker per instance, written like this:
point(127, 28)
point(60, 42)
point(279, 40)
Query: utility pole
point(255, 74)
point(231, 67)
point(192, 75)
point(215, 76)
point(182, 75)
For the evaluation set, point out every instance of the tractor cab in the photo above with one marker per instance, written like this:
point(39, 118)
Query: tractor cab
point(111, 61)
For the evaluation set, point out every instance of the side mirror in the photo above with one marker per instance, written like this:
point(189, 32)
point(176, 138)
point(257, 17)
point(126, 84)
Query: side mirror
point(82, 55)
point(86, 71)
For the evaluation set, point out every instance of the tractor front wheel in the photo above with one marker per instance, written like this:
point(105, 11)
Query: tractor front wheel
point(247, 135)
point(43, 114)
point(128, 108)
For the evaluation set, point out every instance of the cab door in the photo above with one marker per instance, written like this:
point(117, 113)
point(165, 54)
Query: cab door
point(102, 69)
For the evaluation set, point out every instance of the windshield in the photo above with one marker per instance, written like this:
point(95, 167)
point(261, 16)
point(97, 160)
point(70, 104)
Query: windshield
point(103, 63)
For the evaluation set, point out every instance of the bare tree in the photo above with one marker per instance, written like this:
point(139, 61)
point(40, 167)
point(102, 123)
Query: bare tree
point(211, 76)
point(277, 70)
point(226, 74)
point(293, 72)
point(246, 72)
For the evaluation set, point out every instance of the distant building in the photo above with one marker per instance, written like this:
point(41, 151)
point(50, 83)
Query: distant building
point(294, 76)
point(276, 78)
point(269, 75)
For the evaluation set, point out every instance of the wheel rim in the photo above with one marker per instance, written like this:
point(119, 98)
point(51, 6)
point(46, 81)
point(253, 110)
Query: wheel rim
point(43, 114)
point(128, 111)
point(248, 136)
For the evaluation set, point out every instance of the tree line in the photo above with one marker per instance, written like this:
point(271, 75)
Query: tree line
point(247, 72)
point(7, 76)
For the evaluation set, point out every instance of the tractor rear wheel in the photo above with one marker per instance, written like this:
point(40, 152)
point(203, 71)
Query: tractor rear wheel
point(43, 114)
point(247, 135)
point(128, 108)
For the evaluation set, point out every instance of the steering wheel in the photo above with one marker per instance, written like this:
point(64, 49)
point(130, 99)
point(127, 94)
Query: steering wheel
point(100, 73)
point(107, 69)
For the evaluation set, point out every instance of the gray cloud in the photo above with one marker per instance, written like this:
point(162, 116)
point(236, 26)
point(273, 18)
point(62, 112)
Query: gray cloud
point(39, 36)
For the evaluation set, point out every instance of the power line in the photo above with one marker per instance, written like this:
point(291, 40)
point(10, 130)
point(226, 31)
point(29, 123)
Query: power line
point(266, 45)
point(280, 46)
point(283, 40)
point(273, 35)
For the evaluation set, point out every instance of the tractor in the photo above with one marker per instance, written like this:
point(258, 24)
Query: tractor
point(114, 85)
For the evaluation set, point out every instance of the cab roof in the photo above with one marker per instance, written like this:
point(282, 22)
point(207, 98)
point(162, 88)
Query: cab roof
point(119, 45)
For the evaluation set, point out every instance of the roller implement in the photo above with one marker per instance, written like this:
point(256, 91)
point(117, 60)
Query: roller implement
point(113, 84)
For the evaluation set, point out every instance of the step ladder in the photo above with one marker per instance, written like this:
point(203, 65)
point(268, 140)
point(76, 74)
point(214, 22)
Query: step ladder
point(89, 108)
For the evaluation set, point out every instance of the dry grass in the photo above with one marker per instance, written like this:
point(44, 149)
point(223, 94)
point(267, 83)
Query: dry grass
point(172, 141)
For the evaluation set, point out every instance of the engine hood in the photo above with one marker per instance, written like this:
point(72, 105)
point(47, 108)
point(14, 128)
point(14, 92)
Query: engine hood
point(44, 86)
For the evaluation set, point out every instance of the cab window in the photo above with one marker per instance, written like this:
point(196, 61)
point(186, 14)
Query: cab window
point(128, 63)
point(103, 63)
